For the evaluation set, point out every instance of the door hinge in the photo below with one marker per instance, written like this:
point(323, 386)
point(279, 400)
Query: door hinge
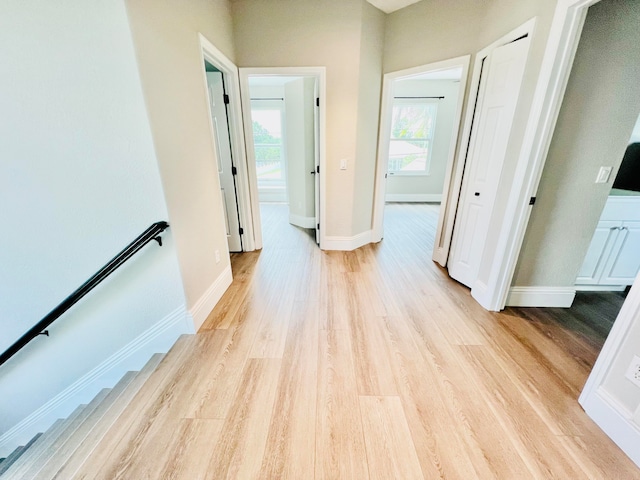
point(234, 171)
point(318, 226)
point(317, 102)
point(532, 200)
point(226, 99)
point(241, 231)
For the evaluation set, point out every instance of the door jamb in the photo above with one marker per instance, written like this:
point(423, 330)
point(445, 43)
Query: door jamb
point(320, 74)
point(385, 127)
point(236, 133)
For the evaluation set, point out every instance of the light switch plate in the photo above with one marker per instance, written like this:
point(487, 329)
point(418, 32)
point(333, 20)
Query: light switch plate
point(343, 164)
point(604, 174)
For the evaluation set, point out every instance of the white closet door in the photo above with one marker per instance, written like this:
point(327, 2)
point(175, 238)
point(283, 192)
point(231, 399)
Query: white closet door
point(496, 108)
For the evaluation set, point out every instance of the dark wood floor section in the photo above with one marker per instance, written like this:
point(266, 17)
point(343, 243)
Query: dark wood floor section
point(367, 364)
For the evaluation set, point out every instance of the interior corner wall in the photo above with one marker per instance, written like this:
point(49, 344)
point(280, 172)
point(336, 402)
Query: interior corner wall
point(167, 45)
point(430, 31)
point(598, 113)
point(303, 33)
point(369, 98)
point(78, 182)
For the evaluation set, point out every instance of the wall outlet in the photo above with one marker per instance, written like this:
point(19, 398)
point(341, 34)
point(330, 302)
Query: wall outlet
point(217, 256)
point(633, 372)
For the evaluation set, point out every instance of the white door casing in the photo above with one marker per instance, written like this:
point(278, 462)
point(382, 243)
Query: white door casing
point(499, 92)
point(451, 187)
point(215, 84)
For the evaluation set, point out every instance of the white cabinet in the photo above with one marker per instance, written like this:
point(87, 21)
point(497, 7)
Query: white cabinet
point(613, 257)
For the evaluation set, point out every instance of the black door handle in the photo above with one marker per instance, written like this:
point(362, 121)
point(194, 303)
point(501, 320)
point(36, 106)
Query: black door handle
point(477, 194)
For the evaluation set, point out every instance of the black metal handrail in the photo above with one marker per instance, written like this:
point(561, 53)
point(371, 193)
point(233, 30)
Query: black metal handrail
point(151, 233)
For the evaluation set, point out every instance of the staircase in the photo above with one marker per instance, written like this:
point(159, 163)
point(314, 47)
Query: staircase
point(63, 449)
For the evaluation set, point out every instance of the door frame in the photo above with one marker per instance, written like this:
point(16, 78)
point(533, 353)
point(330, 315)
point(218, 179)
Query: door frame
point(229, 70)
point(555, 69)
point(318, 72)
point(386, 111)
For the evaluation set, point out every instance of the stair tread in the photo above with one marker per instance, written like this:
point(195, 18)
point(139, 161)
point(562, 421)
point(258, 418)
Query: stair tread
point(58, 446)
point(7, 462)
point(162, 375)
point(11, 458)
point(122, 395)
point(24, 463)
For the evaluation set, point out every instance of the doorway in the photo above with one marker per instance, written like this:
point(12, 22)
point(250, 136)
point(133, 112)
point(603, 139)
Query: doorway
point(284, 131)
point(227, 171)
point(420, 120)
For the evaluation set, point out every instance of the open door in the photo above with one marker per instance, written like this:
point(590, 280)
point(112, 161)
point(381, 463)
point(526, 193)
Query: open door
point(226, 169)
point(498, 96)
point(316, 143)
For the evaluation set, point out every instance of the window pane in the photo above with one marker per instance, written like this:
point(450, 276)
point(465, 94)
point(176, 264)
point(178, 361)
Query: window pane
point(412, 131)
point(267, 138)
point(408, 155)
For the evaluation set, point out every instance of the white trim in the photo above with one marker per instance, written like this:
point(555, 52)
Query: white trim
point(413, 197)
point(249, 213)
point(321, 74)
point(386, 109)
point(347, 243)
point(615, 421)
point(554, 74)
point(157, 339)
point(541, 297)
point(302, 222)
point(202, 308)
point(600, 288)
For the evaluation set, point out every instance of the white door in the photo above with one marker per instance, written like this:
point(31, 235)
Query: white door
point(226, 169)
point(316, 142)
point(498, 98)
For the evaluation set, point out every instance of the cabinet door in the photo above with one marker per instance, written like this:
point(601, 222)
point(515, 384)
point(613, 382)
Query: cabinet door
point(594, 261)
point(623, 263)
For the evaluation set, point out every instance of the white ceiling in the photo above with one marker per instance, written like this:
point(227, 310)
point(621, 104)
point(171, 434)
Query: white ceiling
point(389, 6)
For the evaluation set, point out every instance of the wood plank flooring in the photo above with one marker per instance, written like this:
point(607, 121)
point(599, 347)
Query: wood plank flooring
point(366, 364)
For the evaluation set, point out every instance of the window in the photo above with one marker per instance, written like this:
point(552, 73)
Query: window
point(267, 122)
point(411, 141)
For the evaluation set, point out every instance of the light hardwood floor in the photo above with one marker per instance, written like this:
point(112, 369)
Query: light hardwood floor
point(363, 364)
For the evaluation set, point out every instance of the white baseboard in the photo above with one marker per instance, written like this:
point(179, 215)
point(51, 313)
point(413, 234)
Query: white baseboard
point(347, 243)
point(615, 421)
point(303, 222)
point(159, 338)
point(600, 288)
point(413, 197)
point(541, 297)
point(202, 308)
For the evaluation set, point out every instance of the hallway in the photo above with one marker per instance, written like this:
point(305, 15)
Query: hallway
point(363, 364)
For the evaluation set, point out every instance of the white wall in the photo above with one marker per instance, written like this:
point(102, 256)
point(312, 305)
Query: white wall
point(78, 182)
point(291, 33)
point(598, 114)
point(433, 183)
point(166, 42)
